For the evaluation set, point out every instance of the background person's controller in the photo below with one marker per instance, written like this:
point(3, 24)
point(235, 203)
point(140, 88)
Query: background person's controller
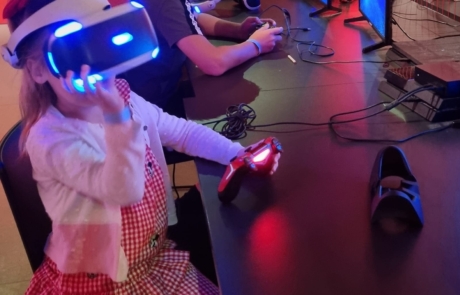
point(270, 27)
point(256, 158)
point(263, 24)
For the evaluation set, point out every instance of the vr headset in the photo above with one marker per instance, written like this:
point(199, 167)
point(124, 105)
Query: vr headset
point(249, 4)
point(109, 40)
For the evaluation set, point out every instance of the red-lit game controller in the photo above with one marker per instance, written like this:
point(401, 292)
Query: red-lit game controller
point(256, 158)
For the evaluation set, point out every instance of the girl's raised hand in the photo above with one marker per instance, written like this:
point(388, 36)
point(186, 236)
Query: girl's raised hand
point(103, 93)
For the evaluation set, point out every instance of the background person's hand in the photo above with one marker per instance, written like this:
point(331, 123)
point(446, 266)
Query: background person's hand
point(250, 25)
point(267, 37)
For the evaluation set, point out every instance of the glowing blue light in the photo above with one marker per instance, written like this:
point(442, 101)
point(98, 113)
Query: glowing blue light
point(122, 39)
point(155, 52)
point(94, 78)
point(68, 29)
point(137, 4)
point(197, 9)
point(78, 83)
point(53, 65)
point(97, 77)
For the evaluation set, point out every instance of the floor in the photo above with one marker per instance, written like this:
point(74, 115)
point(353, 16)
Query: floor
point(15, 271)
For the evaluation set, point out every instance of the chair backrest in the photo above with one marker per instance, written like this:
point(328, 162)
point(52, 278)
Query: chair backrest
point(21, 191)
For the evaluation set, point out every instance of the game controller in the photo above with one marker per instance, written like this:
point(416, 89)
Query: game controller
point(263, 24)
point(256, 158)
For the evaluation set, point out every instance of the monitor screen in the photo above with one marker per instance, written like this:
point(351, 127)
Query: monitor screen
point(375, 12)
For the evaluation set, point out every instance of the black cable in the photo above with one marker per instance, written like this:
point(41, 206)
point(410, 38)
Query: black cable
point(397, 5)
point(237, 120)
point(175, 187)
point(407, 35)
point(447, 36)
point(331, 121)
point(451, 124)
point(178, 209)
point(287, 18)
point(387, 108)
point(402, 30)
point(302, 52)
point(287, 21)
point(174, 180)
point(312, 45)
point(426, 19)
point(184, 186)
point(275, 6)
point(403, 13)
point(242, 119)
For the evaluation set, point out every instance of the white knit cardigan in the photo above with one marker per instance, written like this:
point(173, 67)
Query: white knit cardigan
point(86, 172)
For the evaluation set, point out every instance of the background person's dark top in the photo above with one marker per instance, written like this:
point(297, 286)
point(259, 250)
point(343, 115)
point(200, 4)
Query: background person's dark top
point(156, 81)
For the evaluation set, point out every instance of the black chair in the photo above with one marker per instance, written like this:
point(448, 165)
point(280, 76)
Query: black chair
point(21, 191)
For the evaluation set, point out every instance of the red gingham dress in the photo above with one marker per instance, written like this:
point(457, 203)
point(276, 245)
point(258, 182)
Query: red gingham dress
point(154, 266)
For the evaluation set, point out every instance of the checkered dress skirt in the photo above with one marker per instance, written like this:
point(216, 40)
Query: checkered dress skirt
point(154, 266)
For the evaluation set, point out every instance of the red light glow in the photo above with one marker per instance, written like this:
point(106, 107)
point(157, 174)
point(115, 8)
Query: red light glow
point(261, 156)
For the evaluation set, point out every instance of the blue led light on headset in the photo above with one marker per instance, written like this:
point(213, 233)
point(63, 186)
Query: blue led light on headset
point(67, 29)
point(122, 39)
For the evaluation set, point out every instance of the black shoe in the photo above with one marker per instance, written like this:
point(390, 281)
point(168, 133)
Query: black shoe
point(394, 190)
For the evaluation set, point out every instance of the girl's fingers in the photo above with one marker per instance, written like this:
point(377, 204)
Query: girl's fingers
point(275, 164)
point(109, 83)
point(84, 76)
point(64, 84)
point(99, 88)
point(68, 82)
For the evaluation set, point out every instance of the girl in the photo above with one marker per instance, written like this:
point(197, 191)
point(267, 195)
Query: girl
point(97, 159)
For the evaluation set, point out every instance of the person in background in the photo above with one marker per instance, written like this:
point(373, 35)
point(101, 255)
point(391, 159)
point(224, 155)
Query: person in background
point(182, 34)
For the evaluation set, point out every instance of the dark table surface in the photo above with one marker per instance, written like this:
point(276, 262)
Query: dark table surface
point(306, 229)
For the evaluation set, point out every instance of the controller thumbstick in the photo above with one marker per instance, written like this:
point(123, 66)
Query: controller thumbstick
point(248, 162)
point(279, 148)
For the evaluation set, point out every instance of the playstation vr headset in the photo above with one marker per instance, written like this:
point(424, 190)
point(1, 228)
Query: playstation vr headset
point(109, 40)
point(249, 4)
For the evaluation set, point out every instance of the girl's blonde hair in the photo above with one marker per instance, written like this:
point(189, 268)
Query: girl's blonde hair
point(34, 98)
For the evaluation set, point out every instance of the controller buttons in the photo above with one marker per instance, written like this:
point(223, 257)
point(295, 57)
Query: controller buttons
point(249, 164)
